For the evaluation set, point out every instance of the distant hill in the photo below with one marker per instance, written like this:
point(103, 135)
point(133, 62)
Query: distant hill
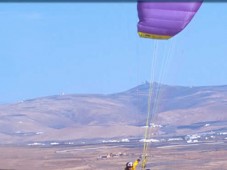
point(62, 117)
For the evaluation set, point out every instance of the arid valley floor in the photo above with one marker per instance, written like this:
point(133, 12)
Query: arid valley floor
point(199, 156)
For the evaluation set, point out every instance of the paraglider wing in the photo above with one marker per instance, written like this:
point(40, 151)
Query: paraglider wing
point(163, 20)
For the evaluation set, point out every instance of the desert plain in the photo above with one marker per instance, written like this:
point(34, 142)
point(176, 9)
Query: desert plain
point(199, 156)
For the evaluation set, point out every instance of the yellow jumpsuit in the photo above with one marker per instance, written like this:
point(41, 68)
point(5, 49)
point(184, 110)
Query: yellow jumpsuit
point(135, 163)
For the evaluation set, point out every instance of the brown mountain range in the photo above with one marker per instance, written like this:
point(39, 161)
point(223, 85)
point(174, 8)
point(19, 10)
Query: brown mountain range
point(64, 117)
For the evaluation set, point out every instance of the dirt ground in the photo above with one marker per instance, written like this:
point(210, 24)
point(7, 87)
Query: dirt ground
point(210, 156)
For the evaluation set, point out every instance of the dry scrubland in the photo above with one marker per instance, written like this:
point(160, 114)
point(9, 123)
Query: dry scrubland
point(181, 111)
point(186, 157)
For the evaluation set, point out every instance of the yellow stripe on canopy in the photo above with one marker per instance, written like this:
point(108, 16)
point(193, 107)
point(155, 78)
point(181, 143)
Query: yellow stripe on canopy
point(154, 36)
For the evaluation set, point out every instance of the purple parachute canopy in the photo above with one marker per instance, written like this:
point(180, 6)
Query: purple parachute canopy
point(163, 20)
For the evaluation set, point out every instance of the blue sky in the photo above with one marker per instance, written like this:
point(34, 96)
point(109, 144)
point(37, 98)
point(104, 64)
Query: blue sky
point(83, 48)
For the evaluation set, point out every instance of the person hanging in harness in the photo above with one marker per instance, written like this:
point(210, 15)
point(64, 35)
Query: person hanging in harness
point(132, 166)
